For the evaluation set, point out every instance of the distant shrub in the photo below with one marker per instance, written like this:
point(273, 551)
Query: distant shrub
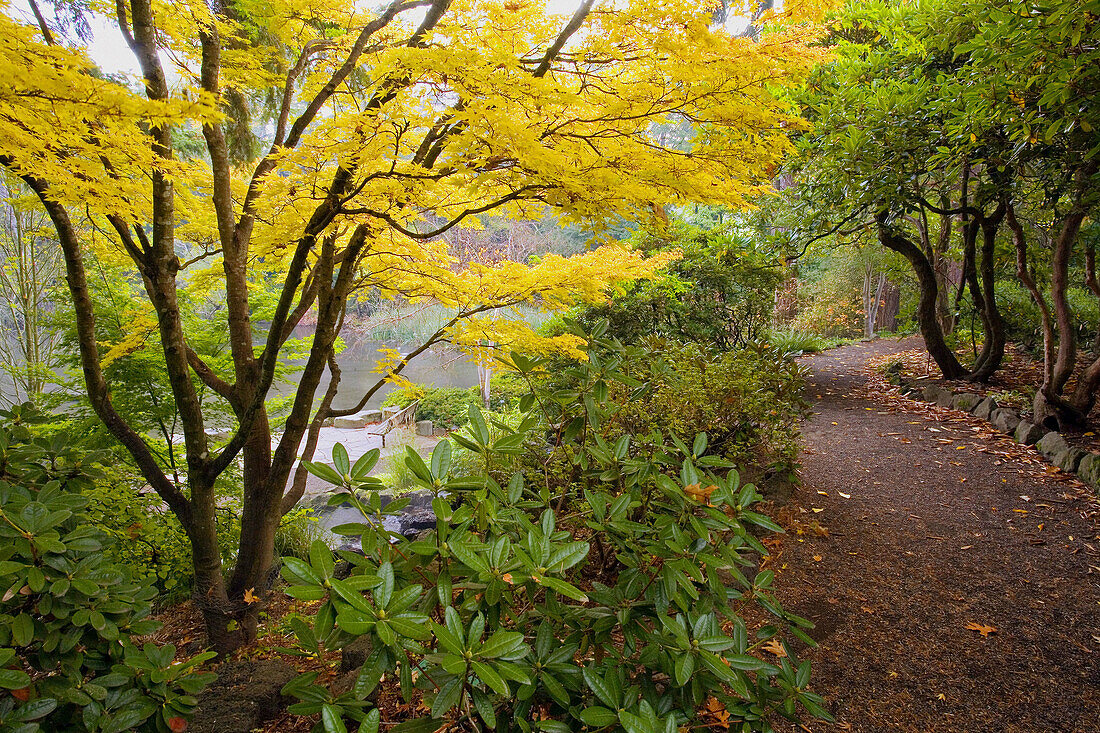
point(721, 292)
point(749, 402)
point(147, 537)
point(449, 406)
point(445, 406)
point(799, 342)
point(1023, 322)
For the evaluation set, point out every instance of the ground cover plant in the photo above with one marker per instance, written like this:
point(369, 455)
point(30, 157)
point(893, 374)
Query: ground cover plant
point(613, 601)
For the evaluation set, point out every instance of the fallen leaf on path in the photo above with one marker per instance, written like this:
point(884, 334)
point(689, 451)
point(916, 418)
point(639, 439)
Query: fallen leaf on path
point(982, 629)
point(817, 510)
point(817, 558)
point(823, 493)
point(846, 496)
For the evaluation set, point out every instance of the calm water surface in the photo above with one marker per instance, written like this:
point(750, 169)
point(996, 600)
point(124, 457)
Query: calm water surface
point(439, 366)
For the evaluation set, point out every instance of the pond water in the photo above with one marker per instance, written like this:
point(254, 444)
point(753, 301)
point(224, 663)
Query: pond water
point(442, 367)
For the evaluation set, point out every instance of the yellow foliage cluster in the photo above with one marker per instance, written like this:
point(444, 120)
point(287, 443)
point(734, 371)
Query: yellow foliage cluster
point(644, 105)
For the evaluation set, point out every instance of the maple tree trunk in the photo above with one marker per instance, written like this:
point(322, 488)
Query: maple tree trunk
point(926, 310)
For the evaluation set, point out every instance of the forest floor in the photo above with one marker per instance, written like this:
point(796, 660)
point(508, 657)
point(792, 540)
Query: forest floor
point(954, 577)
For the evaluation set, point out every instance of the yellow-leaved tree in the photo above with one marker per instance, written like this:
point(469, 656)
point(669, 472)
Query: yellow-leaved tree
point(384, 127)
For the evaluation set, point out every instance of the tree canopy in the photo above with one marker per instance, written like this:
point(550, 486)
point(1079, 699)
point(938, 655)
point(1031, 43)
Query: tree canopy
point(322, 148)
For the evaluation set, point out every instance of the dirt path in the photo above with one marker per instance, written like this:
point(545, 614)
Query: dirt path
point(937, 535)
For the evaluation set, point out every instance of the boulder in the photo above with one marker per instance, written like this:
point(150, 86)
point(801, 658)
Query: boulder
point(985, 408)
point(1051, 445)
point(1069, 460)
point(1029, 433)
point(353, 421)
point(1056, 450)
point(1088, 470)
point(1005, 420)
point(355, 654)
point(966, 401)
point(424, 427)
point(911, 390)
point(932, 392)
point(372, 415)
point(945, 398)
point(246, 695)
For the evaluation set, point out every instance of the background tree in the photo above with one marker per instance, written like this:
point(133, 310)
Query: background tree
point(383, 122)
point(1042, 66)
point(29, 270)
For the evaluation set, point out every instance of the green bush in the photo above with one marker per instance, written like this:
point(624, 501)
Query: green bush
point(748, 401)
point(1023, 322)
point(721, 292)
point(148, 539)
point(448, 406)
point(792, 342)
point(69, 611)
point(151, 543)
point(445, 406)
point(606, 603)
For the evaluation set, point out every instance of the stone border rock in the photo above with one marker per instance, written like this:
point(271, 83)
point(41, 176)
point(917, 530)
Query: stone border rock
point(1050, 444)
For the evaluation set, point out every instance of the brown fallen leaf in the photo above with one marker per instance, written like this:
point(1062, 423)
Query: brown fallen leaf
point(775, 647)
point(982, 629)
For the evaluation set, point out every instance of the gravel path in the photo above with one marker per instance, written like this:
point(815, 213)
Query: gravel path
point(932, 525)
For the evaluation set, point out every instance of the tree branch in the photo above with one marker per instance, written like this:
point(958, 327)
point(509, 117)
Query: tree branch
point(570, 28)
